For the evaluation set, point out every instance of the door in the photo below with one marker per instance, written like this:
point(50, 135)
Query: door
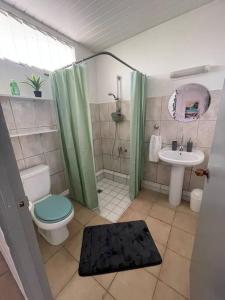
point(207, 276)
point(16, 223)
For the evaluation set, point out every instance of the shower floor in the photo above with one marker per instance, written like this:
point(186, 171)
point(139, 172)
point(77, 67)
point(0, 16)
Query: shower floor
point(113, 199)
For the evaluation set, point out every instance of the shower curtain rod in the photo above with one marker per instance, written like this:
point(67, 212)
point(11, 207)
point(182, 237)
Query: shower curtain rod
point(101, 53)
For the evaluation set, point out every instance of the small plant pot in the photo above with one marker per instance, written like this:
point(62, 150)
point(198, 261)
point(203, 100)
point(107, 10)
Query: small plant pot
point(38, 93)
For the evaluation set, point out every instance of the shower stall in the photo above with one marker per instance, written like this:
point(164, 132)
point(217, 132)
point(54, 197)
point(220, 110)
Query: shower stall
point(115, 124)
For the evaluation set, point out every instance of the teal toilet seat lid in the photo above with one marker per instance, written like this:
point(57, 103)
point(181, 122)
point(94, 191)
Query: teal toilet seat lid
point(53, 209)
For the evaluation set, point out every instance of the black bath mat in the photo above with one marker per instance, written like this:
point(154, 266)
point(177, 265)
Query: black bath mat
point(117, 247)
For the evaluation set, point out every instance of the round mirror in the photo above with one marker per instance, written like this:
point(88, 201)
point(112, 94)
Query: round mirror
point(189, 102)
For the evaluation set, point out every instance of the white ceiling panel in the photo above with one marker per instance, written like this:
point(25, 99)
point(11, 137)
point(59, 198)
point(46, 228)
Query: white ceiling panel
point(98, 24)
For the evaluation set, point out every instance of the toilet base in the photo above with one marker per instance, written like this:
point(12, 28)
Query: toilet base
point(55, 237)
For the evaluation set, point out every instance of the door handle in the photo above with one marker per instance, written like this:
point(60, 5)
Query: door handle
point(202, 172)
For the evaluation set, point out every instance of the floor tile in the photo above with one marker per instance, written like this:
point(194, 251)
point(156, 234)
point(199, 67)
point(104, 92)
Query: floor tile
point(47, 250)
point(9, 289)
point(185, 208)
point(84, 215)
point(82, 288)
point(162, 213)
point(132, 215)
point(76, 205)
point(181, 242)
point(74, 227)
point(163, 292)
point(74, 245)
point(159, 230)
point(107, 296)
point(156, 269)
point(142, 206)
point(106, 279)
point(60, 269)
point(98, 220)
point(175, 272)
point(3, 265)
point(133, 285)
point(185, 222)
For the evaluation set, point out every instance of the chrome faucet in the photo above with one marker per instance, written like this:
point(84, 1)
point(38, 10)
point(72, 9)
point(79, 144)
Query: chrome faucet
point(181, 148)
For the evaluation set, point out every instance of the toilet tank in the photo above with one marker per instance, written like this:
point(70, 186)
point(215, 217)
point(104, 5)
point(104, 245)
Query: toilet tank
point(36, 182)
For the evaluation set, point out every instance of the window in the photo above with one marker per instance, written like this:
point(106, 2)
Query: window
point(23, 44)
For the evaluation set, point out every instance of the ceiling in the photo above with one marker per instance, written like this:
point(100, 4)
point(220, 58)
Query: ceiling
point(98, 24)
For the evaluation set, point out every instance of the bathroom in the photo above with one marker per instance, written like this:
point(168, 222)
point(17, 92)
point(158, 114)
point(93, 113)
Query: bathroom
point(172, 53)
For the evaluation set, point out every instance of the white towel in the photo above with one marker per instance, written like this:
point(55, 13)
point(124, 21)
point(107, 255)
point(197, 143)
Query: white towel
point(154, 147)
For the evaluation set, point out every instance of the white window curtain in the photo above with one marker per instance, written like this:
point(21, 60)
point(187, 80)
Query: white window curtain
point(23, 44)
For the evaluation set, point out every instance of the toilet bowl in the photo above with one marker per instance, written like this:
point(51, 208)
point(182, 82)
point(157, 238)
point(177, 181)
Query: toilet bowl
point(51, 213)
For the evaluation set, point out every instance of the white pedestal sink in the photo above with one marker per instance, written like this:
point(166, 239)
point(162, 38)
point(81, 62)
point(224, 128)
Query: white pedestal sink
point(179, 160)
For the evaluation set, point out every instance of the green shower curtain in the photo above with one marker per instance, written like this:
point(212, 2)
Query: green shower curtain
point(69, 92)
point(138, 112)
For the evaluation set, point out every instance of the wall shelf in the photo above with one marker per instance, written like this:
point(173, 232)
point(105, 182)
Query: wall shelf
point(26, 132)
point(24, 97)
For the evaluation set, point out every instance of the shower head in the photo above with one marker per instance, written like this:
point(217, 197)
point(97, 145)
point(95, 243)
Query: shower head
point(113, 95)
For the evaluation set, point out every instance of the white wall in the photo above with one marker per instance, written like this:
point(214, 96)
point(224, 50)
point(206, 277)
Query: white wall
point(193, 39)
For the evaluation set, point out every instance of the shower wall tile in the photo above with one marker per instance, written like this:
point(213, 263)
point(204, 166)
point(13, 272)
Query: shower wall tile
point(94, 110)
point(58, 183)
point(112, 108)
point(150, 130)
point(163, 174)
point(21, 164)
point(31, 145)
point(17, 148)
point(168, 131)
point(24, 113)
point(124, 130)
point(205, 133)
point(196, 182)
point(104, 111)
point(150, 171)
point(187, 179)
point(96, 132)
point(98, 163)
point(50, 141)
point(153, 108)
point(107, 146)
point(34, 161)
point(8, 114)
point(188, 130)
point(125, 109)
point(97, 147)
point(44, 113)
point(54, 161)
point(124, 165)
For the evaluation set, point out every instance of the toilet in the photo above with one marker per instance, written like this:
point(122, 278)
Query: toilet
point(51, 213)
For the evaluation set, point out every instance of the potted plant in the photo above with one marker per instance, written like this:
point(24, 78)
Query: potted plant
point(36, 83)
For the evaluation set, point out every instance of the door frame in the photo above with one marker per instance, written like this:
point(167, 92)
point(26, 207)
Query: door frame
point(16, 223)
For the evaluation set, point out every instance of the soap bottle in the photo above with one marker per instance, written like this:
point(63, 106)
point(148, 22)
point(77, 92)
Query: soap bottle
point(14, 88)
point(189, 145)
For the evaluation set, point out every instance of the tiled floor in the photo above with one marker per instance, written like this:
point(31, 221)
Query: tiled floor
point(173, 231)
point(113, 200)
point(8, 286)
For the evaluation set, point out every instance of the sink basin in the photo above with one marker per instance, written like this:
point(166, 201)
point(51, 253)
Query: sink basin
point(179, 160)
point(181, 157)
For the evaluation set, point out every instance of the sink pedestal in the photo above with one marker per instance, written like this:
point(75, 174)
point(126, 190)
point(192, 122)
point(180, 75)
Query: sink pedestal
point(176, 184)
